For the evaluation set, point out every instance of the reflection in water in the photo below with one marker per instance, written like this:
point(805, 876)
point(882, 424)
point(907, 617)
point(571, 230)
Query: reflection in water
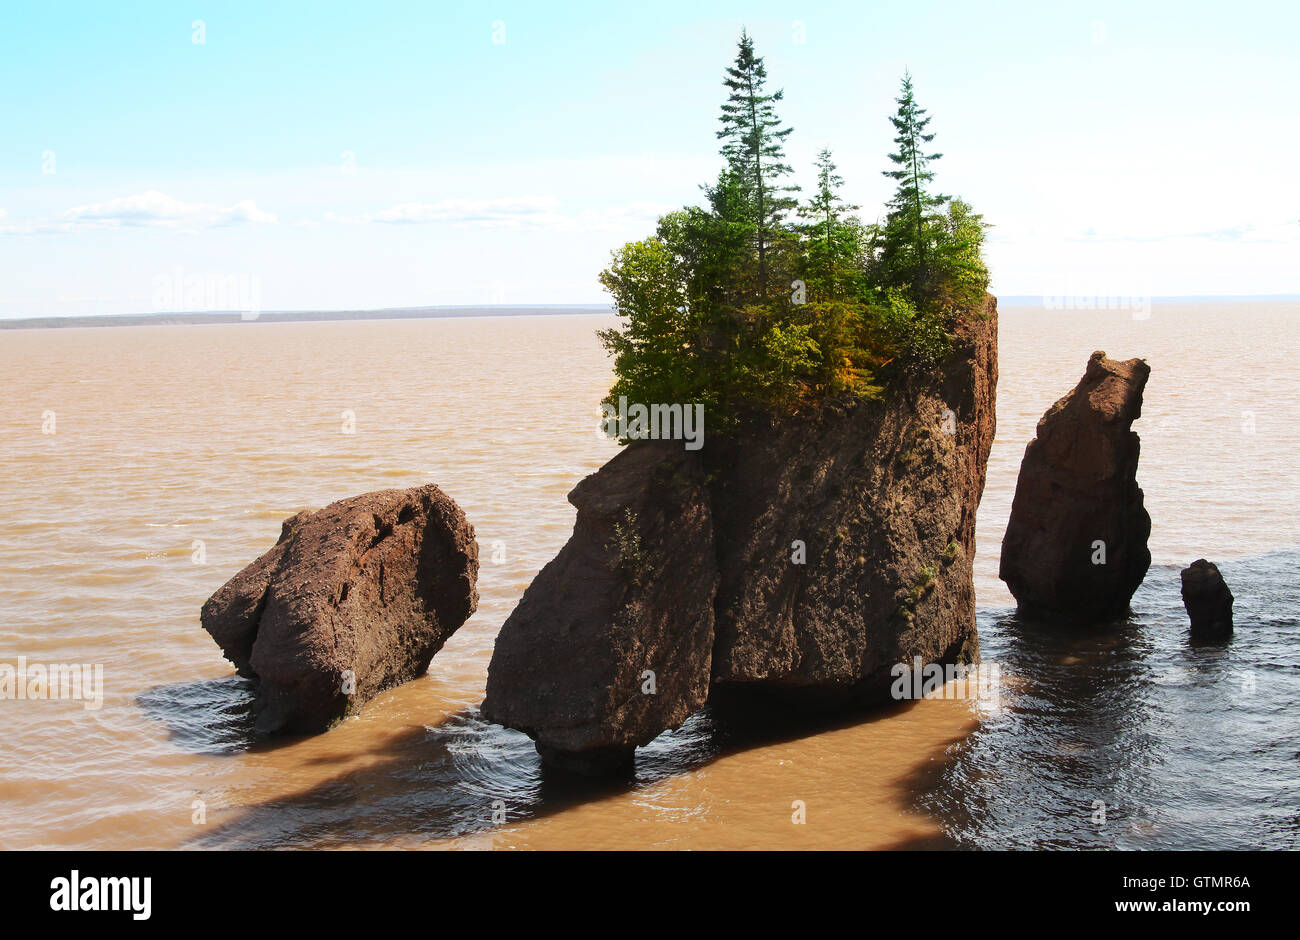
point(1128, 736)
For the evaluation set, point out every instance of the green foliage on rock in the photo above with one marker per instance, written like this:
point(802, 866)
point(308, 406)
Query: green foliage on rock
point(629, 559)
point(755, 301)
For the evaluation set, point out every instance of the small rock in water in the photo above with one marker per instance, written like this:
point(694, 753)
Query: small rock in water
point(1208, 601)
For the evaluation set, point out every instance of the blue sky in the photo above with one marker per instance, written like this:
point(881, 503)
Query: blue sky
point(345, 155)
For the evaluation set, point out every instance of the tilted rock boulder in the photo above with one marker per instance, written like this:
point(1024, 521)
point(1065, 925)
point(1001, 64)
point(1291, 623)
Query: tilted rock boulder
point(1076, 543)
point(353, 599)
point(820, 551)
point(1208, 601)
point(611, 642)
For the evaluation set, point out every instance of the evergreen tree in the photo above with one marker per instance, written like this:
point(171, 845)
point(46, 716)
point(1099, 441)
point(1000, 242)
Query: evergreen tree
point(730, 278)
point(907, 232)
point(755, 150)
point(699, 323)
point(834, 239)
point(961, 276)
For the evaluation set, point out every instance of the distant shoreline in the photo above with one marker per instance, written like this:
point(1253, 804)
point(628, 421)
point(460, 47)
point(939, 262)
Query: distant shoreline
point(303, 316)
point(1038, 300)
point(498, 310)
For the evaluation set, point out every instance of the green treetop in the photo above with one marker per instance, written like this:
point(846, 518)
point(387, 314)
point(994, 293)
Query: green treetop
point(907, 234)
point(754, 147)
point(711, 305)
point(834, 239)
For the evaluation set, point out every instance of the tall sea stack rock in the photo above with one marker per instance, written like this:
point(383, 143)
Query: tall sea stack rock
point(1076, 543)
point(803, 557)
point(353, 599)
point(1208, 602)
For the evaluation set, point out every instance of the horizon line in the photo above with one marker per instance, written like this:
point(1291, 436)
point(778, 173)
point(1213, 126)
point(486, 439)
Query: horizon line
point(434, 311)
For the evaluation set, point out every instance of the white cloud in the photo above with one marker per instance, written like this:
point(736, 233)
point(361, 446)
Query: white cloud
point(634, 214)
point(529, 212)
point(157, 209)
point(1268, 232)
point(151, 209)
point(526, 210)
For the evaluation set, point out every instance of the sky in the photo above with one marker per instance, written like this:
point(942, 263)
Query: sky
point(324, 156)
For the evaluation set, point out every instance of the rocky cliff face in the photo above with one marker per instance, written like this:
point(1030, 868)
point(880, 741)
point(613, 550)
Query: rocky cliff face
point(882, 499)
point(353, 599)
point(1076, 543)
point(803, 557)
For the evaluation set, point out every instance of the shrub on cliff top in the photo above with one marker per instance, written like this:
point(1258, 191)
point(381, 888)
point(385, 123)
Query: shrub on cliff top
point(735, 305)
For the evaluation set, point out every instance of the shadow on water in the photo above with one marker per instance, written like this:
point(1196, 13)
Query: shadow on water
point(1126, 735)
point(446, 781)
point(208, 716)
point(1116, 735)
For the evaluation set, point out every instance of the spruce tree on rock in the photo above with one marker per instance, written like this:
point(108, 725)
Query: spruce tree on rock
point(905, 255)
point(754, 147)
point(834, 239)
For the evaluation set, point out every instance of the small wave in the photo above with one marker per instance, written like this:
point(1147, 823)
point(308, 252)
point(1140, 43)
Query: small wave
point(277, 514)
